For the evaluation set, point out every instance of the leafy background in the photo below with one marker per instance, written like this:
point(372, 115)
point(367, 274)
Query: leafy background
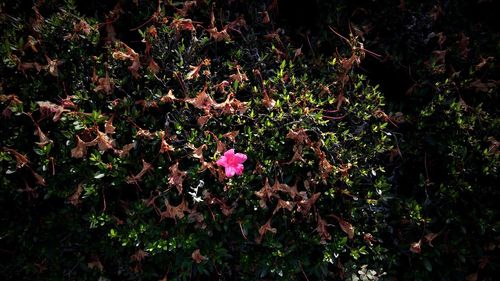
point(372, 140)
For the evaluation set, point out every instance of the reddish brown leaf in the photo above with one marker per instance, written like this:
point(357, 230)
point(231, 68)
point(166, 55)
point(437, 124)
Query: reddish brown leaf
point(48, 109)
point(51, 66)
point(183, 24)
point(146, 134)
point(74, 199)
point(231, 135)
point(176, 177)
point(415, 247)
point(81, 147)
point(104, 142)
point(347, 228)
point(104, 84)
point(165, 146)
point(231, 105)
point(202, 120)
point(265, 17)
point(297, 155)
point(198, 151)
point(263, 230)
point(174, 212)
point(238, 76)
point(322, 230)
point(197, 257)
point(139, 255)
point(219, 35)
point(44, 140)
point(95, 263)
point(325, 168)
point(169, 97)
point(202, 100)
point(344, 169)
point(282, 204)
point(265, 193)
point(472, 277)
point(136, 178)
point(21, 159)
point(153, 66)
point(108, 126)
point(306, 204)
point(299, 136)
point(267, 101)
point(430, 237)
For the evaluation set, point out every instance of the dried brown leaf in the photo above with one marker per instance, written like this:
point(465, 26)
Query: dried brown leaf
point(347, 228)
point(21, 160)
point(416, 247)
point(136, 178)
point(197, 257)
point(74, 199)
point(322, 230)
point(139, 255)
point(176, 177)
point(231, 136)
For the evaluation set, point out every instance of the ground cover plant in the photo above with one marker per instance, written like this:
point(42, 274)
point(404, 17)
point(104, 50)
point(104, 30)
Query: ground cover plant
point(224, 140)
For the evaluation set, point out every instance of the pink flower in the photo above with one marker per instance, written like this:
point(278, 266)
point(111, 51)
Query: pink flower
point(232, 162)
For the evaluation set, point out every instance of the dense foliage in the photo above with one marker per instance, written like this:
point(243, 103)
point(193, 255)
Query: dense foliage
point(113, 118)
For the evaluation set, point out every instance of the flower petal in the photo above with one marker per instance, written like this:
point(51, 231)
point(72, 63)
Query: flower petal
point(230, 171)
point(229, 153)
point(239, 169)
point(222, 161)
point(240, 157)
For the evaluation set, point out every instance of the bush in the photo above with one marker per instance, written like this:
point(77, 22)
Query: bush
point(113, 118)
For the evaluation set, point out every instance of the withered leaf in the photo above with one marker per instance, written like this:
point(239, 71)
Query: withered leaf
point(183, 24)
point(174, 212)
point(169, 97)
point(238, 76)
point(198, 151)
point(48, 108)
point(44, 140)
point(153, 66)
point(344, 169)
point(231, 135)
point(81, 147)
point(202, 100)
point(165, 146)
point(108, 126)
point(21, 159)
point(104, 84)
point(415, 247)
point(176, 177)
point(431, 236)
point(299, 136)
point(74, 199)
point(51, 66)
point(143, 133)
point(219, 35)
point(282, 204)
point(306, 204)
point(95, 263)
point(265, 193)
point(104, 142)
point(202, 120)
point(139, 255)
point(197, 257)
point(297, 155)
point(347, 228)
point(263, 230)
point(322, 230)
point(136, 178)
point(267, 101)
